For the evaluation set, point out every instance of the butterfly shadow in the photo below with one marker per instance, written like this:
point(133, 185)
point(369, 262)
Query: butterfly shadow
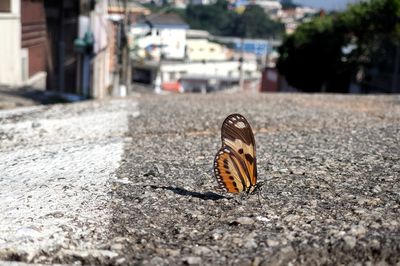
point(184, 192)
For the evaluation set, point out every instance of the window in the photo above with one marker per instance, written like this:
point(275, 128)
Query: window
point(5, 6)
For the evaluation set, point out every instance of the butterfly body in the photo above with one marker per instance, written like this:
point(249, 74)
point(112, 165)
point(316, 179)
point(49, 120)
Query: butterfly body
point(235, 163)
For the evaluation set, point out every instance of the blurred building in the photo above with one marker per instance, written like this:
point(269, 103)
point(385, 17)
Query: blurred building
point(250, 49)
point(135, 10)
point(61, 46)
point(200, 48)
point(272, 81)
point(195, 76)
point(201, 65)
point(117, 38)
point(11, 54)
point(160, 36)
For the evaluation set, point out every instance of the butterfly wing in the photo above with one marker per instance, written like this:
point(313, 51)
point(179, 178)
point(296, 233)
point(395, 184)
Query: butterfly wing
point(230, 172)
point(237, 134)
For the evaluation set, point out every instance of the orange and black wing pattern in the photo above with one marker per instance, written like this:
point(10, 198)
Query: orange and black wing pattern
point(237, 134)
point(235, 163)
point(229, 171)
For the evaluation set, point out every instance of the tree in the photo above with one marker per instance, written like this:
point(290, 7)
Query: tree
point(219, 19)
point(215, 18)
point(309, 58)
point(254, 23)
point(328, 52)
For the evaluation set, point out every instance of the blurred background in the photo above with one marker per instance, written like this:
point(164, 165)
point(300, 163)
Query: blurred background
point(79, 49)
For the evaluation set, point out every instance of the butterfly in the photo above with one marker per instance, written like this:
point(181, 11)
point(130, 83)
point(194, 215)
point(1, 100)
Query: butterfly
point(235, 165)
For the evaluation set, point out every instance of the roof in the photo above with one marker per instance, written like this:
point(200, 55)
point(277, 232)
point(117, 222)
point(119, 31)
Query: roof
point(116, 6)
point(162, 20)
point(206, 77)
point(197, 34)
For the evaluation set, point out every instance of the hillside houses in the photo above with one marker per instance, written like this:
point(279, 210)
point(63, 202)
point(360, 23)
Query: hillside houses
point(74, 48)
point(167, 52)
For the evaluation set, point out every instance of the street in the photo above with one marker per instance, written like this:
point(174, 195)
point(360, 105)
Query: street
point(130, 181)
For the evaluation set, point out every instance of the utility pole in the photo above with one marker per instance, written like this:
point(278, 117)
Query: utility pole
point(241, 70)
point(396, 70)
point(126, 62)
point(61, 48)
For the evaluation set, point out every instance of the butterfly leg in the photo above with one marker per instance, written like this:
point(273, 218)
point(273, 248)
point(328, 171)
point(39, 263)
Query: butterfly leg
point(241, 198)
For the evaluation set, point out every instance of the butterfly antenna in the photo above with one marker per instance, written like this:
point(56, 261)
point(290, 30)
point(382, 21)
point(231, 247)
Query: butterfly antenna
point(259, 195)
point(259, 200)
point(261, 184)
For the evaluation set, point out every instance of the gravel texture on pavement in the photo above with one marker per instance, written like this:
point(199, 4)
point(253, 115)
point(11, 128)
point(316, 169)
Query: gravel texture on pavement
point(331, 166)
point(56, 164)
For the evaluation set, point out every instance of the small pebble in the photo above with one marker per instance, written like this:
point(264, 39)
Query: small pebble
point(193, 260)
point(244, 220)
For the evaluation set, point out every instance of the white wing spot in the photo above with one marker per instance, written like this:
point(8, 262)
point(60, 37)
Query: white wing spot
point(230, 121)
point(234, 118)
point(240, 125)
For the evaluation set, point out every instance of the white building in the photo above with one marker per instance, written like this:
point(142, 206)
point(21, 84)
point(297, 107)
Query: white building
point(199, 48)
point(205, 65)
point(192, 74)
point(175, 71)
point(10, 43)
point(160, 36)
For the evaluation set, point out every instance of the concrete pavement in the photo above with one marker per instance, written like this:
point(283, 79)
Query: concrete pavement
point(130, 182)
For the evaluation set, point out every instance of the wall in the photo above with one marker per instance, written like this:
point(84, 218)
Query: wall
point(173, 41)
point(33, 39)
point(100, 74)
point(100, 61)
point(173, 71)
point(33, 22)
point(202, 49)
point(10, 46)
point(270, 80)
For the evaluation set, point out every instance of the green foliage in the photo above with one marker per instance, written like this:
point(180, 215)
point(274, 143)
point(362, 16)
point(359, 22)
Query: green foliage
point(219, 19)
point(314, 58)
point(165, 9)
point(216, 18)
point(311, 57)
point(254, 23)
